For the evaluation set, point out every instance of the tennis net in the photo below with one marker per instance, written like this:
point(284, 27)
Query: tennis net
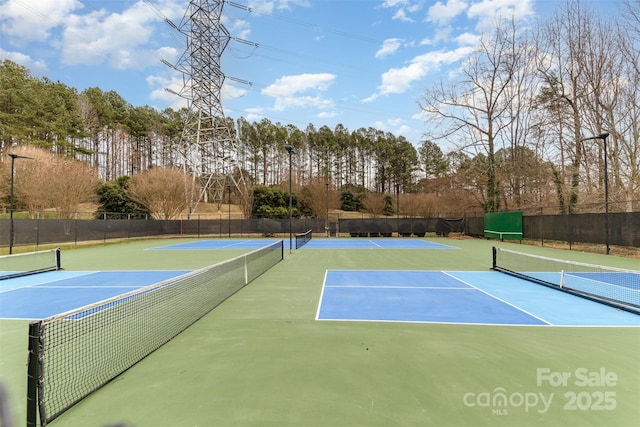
point(75, 353)
point(29, 263)
point(303, 238)
point(612, 286)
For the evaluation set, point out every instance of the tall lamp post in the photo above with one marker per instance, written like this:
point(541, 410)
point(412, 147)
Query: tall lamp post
point(11, 202)
point(326, 221)
point(603, 136)
point(291, 153)
point(229, 207)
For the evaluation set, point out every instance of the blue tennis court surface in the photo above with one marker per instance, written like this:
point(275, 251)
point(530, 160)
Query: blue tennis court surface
point(381, 243)
point(488, 298)
point(220, 244)
point(46, 294)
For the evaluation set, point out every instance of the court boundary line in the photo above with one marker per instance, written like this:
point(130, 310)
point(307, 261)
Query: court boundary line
point(375, 244)
point(469, 287)
point(222, 247)
point(499, 299)
point(50, 284)
point(427, 322)
point(321, 297)
point(510, 325)
point(90, 287)
point(448, 288)
point(82, 273)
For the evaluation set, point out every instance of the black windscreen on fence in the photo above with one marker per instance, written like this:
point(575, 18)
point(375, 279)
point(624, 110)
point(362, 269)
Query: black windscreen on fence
point(624, 228)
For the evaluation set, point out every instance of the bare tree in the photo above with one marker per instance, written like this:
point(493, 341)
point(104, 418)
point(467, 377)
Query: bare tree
point(162, 190)
point(49, 181)
point(375, 203)
point(475, 110)
point(621, 106)
point(315, 196)
point(563, 61)
point(73, 183)
point(591, 74)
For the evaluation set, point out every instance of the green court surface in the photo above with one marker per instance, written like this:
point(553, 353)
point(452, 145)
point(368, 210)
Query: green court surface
point(261, 358)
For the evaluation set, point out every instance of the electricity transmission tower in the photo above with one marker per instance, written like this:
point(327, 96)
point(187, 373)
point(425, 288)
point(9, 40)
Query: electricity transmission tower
point(207, 145)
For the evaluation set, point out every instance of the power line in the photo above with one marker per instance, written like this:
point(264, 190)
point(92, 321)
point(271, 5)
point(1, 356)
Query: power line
point(314, 26)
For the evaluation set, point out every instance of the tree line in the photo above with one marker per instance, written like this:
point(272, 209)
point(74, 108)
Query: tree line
point(508, 132)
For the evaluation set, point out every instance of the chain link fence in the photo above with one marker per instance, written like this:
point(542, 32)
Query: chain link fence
point(623, 228)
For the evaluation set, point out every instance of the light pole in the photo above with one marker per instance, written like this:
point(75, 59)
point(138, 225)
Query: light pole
point(603, 136)
point(11, 202)
point(398, 208)
point(291, 153)
point(229, 188)
point(326, 225)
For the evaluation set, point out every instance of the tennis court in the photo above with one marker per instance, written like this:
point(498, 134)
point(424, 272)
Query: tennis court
point(351, 337)
point(374, 243)
point(219, 244)
point(46, 294)
point(486, 298)
point(329, 243)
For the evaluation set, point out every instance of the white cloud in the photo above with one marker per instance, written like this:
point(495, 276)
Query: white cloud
point(468, 39)
point(327, 114)
point(33, 21)
point(396, 122)
point(401, 15)
point(289, 4)
point(36, 68)
point(287, 102)
point(442, 14)
point(442, 33)
point(487, 12)
point(261, 6)
point(98, 36)
point(165, 87)
point(291, 85)
point(389, 46)
point(254, 114)
point(396, 126)
point(395, 3)
point(403, 130)
point(268, 6)
point(293, 91)
point(399, 80)
point(403, 8)
point(93, 36)
point(240, 28)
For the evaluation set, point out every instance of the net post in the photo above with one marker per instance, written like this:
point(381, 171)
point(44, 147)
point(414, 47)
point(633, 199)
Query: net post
point(494, 254)
point(246, 271)
point(33, 373)
point(58, 260)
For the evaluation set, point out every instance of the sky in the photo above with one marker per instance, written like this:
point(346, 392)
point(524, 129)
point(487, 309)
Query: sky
point(359, 63)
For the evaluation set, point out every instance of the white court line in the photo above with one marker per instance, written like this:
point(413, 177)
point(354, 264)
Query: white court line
point(469, 287)
point(321, 295)
point(92, 287)
point(40, 284)
point(499, 299)
point(456, 288)
point(374, 243)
